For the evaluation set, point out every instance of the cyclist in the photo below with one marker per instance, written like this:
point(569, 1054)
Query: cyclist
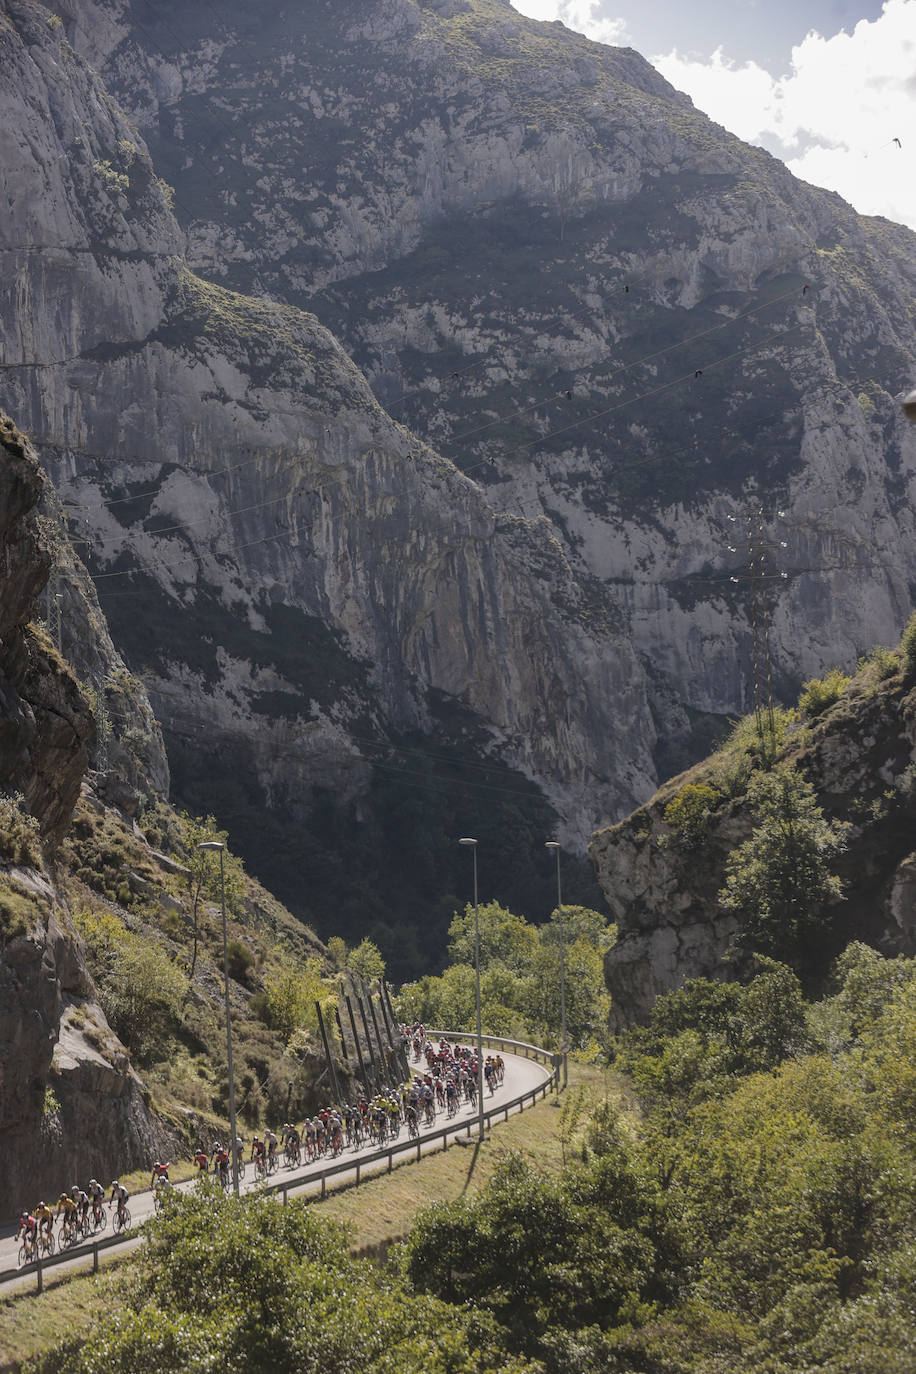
point(120, 1194)
point(258, 1155)
point(271, 1143)
point(96, 1198)
point(66, 1207)
point(28, 1230)
point(160, 1188)
point(44, 1218)
point(293, 1146)
point(202, 1160)
point(159, 1171)
point(221, 1165)
point(82, 1206)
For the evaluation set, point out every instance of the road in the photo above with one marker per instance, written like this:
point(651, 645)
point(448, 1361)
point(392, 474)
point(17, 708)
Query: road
point(522, 1075)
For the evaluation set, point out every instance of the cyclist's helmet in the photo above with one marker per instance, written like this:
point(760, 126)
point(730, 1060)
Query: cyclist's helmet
point(115, 1183)
point(74, 1190)
point(93, 1183)
point(62, 1198)
point(40, 1205)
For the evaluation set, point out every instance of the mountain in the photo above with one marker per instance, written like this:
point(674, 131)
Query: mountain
point(430, 448)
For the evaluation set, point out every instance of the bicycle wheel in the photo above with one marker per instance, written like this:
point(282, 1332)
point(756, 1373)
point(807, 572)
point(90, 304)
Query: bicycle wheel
point(24, 1257)
point(101, 1221)
point(47, 1244)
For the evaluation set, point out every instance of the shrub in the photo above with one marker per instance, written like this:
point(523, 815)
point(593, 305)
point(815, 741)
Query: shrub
point(821, 692)
point(240, 959)
point(688, 814)
point(140, 988)
point(20, 834)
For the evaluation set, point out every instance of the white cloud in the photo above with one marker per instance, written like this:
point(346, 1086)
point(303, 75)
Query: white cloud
point(580, 15)
point(834, 117)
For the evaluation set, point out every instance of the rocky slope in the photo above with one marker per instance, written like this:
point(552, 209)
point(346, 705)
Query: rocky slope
point(663, 879)
point(66, 1106)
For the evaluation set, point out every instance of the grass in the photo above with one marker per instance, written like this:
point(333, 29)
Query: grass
point(378, 1213)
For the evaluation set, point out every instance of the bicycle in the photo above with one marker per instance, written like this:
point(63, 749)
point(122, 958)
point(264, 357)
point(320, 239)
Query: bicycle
point(272, 1163)
point(28, 1251)
point(98, 1218)
point(120, 1222)
point(69, 1234)
point(46, 1244)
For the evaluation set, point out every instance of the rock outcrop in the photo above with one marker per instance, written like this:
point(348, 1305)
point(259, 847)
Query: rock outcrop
point(69, 1100)
point(663, 882)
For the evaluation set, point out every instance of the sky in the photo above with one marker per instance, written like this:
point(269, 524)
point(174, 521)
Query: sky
point(825, 85)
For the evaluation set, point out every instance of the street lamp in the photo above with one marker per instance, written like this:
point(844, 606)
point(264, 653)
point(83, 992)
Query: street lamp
point(552, 844)
point(215, 844)
point(473, 847)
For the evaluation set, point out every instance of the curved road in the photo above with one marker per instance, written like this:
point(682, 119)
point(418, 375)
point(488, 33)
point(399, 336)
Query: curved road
point(522, 1075)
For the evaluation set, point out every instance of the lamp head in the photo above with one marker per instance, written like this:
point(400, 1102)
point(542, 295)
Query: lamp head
point(551, 844)
point(211, 844)
point(466, 840)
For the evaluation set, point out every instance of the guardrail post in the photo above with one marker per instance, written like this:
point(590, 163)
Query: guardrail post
point(357, 1173)
point(95, 1257)
point(390, 1160)
point(285, 1191)
point(38, 1267)
point(324, 1186)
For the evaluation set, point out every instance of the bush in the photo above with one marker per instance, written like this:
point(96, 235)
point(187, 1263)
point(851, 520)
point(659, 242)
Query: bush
point(240, 959)
point(688, 814)
point(822, 692)
point(20, 835)
point(141, 990)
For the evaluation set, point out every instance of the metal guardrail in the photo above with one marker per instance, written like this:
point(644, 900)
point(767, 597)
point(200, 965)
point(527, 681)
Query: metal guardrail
point(346, 1166)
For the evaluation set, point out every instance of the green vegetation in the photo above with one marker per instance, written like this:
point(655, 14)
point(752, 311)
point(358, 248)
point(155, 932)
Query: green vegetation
point(759, 1217)
point(780, 881)
point(140, 988)
point(20, 836)
point(688, 815)
point(821, 692)
point(21, 910)
point(249, 1285)
point(519, 977)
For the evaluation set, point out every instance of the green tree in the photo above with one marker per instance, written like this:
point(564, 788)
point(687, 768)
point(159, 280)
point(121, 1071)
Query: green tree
point(780, 880)
point(290, 996)
point(504, 938)
point(366, 960)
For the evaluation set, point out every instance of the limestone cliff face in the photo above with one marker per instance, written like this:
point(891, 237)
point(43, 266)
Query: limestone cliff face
point(860, 758)
point(45, 723)
point(492, 213)
point(66, 1105)
point(285, 563)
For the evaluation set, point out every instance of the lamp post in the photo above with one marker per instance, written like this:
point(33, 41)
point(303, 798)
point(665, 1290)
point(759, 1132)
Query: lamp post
point(472, 844)
point(215, 844)
point(552, 844)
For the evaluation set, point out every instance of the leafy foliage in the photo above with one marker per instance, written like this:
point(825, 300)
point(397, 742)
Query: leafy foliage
point(20, 835)
point(820, 692)
point(141, 989)
point(245, 1284)
point(520, 976)
point(780, 881)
